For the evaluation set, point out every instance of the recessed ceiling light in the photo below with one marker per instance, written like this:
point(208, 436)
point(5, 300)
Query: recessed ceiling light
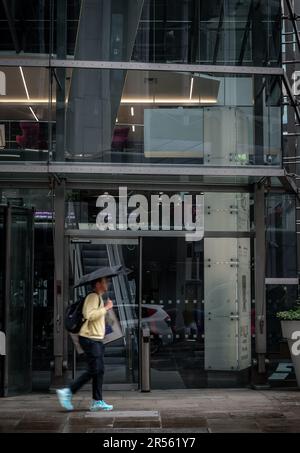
point(191, 87)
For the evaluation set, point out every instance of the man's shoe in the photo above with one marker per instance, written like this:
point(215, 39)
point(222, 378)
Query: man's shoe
point(65, 398)
point(100, 406)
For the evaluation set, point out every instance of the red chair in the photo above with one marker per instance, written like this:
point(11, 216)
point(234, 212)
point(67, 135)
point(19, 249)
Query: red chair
point(30, 137)
point(120, 137)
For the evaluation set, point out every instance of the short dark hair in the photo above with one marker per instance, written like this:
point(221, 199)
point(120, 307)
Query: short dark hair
point(93, 283)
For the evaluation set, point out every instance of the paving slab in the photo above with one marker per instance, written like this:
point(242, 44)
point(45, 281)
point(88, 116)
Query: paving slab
point(123, 414)
point(203, 410)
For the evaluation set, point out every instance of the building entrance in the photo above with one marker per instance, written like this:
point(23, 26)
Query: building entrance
point(195, 297)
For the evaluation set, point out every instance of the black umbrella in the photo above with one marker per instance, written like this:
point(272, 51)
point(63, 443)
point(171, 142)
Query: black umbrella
point(108, 271)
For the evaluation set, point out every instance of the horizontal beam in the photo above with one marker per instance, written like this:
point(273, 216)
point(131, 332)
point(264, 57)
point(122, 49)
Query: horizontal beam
point(95, 233)
point(130, 65)
point(282, 281)
point(153, 169)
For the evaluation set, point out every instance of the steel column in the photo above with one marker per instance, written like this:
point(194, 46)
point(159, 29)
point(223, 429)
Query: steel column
point(260, 266)
point(60, 76)
point(7, 291)
point(59, 283)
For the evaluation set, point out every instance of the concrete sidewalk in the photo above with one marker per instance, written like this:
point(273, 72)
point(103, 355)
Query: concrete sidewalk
point(203, 410)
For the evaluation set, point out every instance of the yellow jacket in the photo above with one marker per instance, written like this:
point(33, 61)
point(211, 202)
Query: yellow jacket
point(94, 313)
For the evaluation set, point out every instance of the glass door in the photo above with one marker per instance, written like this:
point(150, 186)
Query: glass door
point(16, 298)
point(172, 307)
point(121, 356)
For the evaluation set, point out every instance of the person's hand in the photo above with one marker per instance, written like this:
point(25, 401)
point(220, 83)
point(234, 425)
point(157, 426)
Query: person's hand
point(109, 304)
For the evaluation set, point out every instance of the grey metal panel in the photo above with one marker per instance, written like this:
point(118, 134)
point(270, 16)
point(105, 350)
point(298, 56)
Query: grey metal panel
point(28, 61)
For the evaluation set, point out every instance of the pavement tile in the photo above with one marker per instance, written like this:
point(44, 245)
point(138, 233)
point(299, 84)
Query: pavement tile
point(281, 429)
point(33, 425)
point(12, 414)
point(119, 423)
point(173, 422)
point(250, 414)
point(8, 425)
point(230, 426)
point(149, 430)
point(90, 422)
point(280, 426)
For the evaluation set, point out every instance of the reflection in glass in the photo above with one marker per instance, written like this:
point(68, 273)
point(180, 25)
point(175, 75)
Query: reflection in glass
point(121, 356)
point(24, 114)
point(157, 117)
point(281, 237)
point(160, 31)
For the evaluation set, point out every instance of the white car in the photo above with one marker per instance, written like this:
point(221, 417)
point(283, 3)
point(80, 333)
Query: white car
point(159, 322)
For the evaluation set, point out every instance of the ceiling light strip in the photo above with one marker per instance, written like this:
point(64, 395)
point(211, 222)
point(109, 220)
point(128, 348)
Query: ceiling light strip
point(34, 115)
point(24, 82)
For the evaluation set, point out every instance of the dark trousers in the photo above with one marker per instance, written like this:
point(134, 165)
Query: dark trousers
point(94, 351)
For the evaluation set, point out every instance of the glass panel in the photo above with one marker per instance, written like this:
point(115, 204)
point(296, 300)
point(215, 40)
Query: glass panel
point(19, 328)
point(25, 27)
point(160, 31)
point(121, 356)
point(227, 211)
point(24, 114)
point(153, 117)
point(279, 298)
point(222, 211)
point(196, 300)
point(193, 31)
point(172, 306)
point(227, 295)
point(281, 236)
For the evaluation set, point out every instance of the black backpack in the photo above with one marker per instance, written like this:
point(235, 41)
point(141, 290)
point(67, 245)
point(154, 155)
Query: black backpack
point(73, 316)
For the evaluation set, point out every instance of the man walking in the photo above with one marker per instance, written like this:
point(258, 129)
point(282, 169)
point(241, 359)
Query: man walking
point(91, 337)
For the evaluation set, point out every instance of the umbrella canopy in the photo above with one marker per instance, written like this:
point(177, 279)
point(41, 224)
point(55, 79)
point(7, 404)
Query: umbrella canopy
point(108, 271)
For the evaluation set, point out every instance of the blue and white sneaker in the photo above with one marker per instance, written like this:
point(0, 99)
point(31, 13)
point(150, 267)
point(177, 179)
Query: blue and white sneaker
point(65, 398)
point(100, 406)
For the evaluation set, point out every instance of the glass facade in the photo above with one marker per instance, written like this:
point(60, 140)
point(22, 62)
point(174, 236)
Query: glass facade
point(188, 290)
point(147, 117)
point(138, 125)
point(161, 31)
